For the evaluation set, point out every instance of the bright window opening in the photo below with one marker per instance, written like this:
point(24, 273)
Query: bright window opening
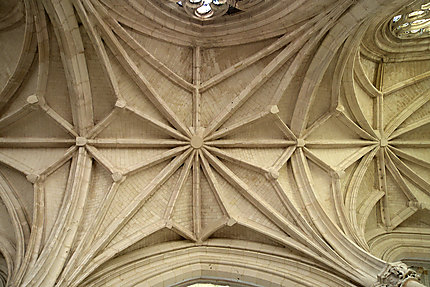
point(414, 22)
point(208, 9)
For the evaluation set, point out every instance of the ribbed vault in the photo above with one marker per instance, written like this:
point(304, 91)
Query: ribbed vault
point(287, 143)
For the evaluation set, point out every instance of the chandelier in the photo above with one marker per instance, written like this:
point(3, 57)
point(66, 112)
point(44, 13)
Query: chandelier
point(206, 9)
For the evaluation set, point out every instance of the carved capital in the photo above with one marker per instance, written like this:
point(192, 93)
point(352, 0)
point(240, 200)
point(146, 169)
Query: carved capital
point(396, 274)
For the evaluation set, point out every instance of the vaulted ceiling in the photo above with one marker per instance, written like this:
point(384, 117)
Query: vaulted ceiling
point(141, 146)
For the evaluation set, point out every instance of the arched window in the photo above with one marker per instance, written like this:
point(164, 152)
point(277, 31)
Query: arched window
point(211, 9)
point(412, 22)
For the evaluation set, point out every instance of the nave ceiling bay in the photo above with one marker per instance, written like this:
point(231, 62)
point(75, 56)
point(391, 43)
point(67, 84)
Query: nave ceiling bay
point(284, 144)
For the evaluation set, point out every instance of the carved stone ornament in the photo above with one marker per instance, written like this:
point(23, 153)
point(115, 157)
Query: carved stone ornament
point(396, 275)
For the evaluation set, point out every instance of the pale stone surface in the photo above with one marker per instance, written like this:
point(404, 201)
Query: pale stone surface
point(284, 145)
point(196, 141)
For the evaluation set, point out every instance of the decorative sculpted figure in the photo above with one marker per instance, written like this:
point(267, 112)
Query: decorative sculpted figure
point(396, 274)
